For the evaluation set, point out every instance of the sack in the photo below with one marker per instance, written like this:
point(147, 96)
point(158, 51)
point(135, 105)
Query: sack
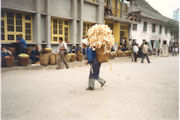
point(44, 59)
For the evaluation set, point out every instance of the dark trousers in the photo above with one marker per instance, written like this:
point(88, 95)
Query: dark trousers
point(35, 59)
point(143, 56)
point(135, 57)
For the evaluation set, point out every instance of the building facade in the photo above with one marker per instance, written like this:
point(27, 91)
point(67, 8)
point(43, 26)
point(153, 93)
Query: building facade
point(151, 27)
point(44, 21)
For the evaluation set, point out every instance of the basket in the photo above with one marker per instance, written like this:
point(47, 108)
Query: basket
point(52, 59)
point(68, 58)
point(23, 61)
point(101, 56)
point(9, 61)
point(79, 57)
point(12, 50)
point(73, 58)
point(44, 59)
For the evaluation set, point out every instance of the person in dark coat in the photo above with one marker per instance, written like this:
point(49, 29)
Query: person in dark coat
point(95, 66)
point(35, 55)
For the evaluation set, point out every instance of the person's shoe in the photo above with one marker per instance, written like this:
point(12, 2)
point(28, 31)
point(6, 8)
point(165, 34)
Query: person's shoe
point(67, 67)
point(90, 88)
point(103, 84)
point(149, 62)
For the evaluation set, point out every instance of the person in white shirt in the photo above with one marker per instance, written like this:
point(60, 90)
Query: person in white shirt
point(135, 51)
point(62, 50)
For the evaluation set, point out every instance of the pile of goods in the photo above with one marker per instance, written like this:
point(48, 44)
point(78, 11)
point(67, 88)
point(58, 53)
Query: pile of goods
point(101, 40)
point(120, 53)
point(128, 53)
point(23, 59)
point(47, 50)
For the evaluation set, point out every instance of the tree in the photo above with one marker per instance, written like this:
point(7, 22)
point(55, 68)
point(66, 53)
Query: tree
point(173, 27)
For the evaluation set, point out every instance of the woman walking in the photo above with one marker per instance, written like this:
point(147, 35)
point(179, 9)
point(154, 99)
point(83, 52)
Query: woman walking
point(95, 66)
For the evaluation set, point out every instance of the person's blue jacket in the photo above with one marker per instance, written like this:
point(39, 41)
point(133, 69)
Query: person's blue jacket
point(90, 54)
point(4, 54)
point(23, 42)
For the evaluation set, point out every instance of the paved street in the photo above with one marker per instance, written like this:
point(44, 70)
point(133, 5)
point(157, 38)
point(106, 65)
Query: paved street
point(133, 91)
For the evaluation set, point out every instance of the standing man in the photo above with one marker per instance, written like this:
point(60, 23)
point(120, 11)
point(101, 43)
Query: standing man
point(23, 42)
point(95, 66)
point(145, 52)
point(135, 52)
point(62, 50)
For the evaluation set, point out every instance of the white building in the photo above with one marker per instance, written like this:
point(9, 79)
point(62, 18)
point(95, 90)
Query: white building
point(151, 28)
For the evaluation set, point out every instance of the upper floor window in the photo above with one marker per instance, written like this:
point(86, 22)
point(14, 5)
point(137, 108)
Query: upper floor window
point(145, 27)
point(166, 30)
point(160, 29)
point(153, 28)
point(134, 26)
point(60, 28)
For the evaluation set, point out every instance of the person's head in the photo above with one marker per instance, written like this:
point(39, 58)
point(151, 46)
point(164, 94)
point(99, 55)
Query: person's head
point(125, 38)
point(146, 43)
point(20, 35)
point(60, 39)
point(37, 47)
point(85, 43)
point(3, 48)
point(74, 47)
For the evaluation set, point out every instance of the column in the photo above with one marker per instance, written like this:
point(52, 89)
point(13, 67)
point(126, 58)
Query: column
point(48, 23)
point(37, 22)
point(74, 22)
point(100, 12)
point(81, 19)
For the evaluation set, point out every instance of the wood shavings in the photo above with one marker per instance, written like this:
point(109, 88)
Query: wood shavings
point(100, 35)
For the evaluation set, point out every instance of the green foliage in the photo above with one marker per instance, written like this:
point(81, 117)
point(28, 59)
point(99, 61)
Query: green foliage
point(173, 27)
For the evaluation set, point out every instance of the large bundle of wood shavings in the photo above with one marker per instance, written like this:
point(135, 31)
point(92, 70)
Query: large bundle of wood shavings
point(101, 36)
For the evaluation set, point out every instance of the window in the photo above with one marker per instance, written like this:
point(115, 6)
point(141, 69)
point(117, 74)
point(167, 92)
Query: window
point(86, 27)
point(166, 30)
point(145, 27)
point(93, 1)
point(153, 28)
point(60, 28)
point(134, 26)
point(160, 29)
point(15, 23)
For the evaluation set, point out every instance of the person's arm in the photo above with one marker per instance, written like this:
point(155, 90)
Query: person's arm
point(89, 56)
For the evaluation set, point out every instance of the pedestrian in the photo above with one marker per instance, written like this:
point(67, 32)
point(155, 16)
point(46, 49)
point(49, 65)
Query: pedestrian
point(73, 49)
point(176, 49)
point(145, 52)
point(135, 52)
point(4, 54)
point(95, 66)
point(62, 50)
point(173, 49)
point(35, 55)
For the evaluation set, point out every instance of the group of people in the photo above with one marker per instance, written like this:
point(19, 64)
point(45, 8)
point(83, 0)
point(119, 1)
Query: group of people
point(144, 48)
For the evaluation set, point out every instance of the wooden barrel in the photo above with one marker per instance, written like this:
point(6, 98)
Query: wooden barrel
point(23, 61)
point(79, 57)
point(52, 59)
point(44, 59)
point(73, 58)
point(9, 61)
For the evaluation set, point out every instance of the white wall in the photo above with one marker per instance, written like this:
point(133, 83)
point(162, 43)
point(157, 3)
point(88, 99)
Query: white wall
point(139, 35)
